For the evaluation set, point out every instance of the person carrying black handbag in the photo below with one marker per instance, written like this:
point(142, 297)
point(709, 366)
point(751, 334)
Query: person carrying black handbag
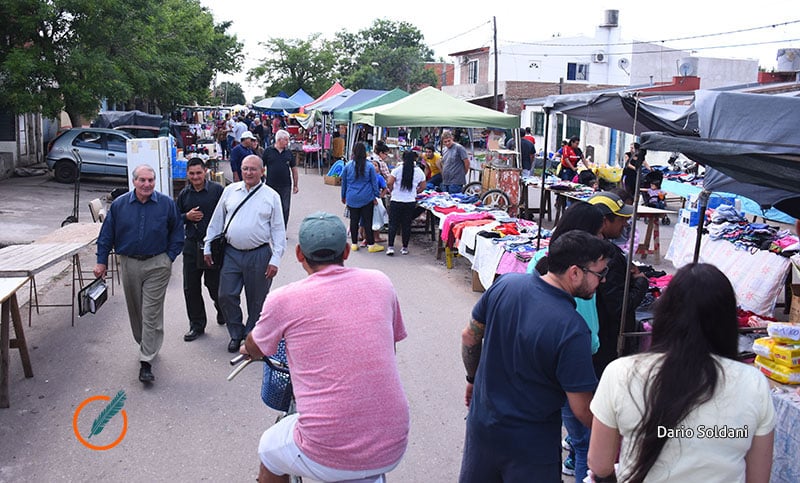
point(256, 239)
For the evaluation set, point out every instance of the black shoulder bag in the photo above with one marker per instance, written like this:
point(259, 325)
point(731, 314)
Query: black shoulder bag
point(220, 242)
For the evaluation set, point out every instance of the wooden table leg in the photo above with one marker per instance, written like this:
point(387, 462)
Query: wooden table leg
point(644, 248)
point(11, 314)
point(656, 239)
point(4, 347)
point(19, 342)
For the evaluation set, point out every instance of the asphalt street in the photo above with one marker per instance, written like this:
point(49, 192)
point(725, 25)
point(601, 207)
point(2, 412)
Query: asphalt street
point(192, 425)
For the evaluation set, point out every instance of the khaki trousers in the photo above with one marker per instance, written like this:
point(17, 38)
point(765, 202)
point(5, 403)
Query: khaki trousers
point(145, 286)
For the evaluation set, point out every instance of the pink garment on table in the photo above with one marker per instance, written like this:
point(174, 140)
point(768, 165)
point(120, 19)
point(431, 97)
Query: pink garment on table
point(509, 263)
point(454, 218)
point(353, 412)
point(660, 282)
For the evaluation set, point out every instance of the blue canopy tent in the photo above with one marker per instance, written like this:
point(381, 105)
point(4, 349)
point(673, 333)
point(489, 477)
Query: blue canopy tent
point(301, 97)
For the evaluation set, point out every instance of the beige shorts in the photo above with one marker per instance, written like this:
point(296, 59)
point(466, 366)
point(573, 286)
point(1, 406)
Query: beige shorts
point(281, 456)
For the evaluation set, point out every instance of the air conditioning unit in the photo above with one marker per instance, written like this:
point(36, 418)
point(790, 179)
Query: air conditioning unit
point(599, 57)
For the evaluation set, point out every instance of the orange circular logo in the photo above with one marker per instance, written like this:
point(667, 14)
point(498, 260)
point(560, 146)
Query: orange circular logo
point(83, 440)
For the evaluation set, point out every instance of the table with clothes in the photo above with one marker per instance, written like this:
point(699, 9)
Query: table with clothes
point(531, 196)
point(754, 256)
point(651, 243)
point(438, 207)
point(500, 246)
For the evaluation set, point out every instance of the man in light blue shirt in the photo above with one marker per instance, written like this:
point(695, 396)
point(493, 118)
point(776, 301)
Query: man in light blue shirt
point(146, 231)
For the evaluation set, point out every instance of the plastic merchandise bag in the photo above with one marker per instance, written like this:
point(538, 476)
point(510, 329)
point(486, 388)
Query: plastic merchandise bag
point(379, 215)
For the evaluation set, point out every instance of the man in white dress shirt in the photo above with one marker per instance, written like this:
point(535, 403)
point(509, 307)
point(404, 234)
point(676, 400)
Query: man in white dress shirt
point(256, 241)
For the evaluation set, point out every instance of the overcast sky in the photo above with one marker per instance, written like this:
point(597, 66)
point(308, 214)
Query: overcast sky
point(449, 27)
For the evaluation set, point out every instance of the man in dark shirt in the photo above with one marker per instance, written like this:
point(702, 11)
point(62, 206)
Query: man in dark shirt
point(612, 293)
point(282, 174)
point(527, 351)
point(196, 204)
point(527, 150)
point(145, 229)
point(241, 151)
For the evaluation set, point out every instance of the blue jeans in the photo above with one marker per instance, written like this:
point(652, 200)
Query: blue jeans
point(434, 182)
point(579, 435)
point(452, 188)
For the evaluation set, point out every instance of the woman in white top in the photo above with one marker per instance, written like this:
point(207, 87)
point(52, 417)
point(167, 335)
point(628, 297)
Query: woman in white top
point(686, 410)
point(403, 207)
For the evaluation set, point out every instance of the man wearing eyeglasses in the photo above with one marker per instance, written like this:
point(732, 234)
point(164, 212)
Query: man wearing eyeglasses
point(611, 294)
point(527, 351)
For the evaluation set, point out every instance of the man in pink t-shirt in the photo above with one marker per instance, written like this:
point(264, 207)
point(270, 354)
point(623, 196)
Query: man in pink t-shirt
point(340, 326)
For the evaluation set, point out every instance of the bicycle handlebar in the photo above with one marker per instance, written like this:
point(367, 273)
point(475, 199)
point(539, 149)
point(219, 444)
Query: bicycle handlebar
point(244, 360)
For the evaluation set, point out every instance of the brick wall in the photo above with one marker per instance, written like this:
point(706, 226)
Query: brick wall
point(515, 92)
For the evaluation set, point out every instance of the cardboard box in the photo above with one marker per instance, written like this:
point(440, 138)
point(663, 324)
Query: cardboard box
point(794, 312)
point(477, 286)
point(332, 180)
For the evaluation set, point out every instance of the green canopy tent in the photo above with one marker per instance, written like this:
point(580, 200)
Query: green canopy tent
point(345, 115)
point(431, 107)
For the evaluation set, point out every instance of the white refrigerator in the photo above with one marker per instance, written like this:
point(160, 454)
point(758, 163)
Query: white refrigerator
point(158, 153)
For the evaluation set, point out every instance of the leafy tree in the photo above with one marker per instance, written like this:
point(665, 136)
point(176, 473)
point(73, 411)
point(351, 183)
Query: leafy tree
point(386, 55)
point(70, 54)
point(295, 64)
point(228, 93)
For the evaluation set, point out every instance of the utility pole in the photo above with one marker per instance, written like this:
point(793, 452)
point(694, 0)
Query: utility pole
point(494, 24)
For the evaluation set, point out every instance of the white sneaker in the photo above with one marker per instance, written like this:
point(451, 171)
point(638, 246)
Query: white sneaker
point(390, 251)
point(404, 251)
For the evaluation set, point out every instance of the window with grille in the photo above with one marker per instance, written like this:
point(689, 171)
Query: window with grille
point(472, 72)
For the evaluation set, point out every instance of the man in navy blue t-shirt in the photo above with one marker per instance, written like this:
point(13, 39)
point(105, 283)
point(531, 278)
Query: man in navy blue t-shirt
point(527, 350)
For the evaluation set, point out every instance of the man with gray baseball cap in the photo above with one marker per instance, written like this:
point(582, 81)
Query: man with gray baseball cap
point(333, 321)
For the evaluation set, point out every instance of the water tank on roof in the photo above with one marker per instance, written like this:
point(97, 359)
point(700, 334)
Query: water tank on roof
point(788, 60)
point(611, 18)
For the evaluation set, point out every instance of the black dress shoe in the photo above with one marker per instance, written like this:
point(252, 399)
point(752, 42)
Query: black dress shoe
point(146, 373)
point(233, 345)
point(220, 319)
point(192, 335)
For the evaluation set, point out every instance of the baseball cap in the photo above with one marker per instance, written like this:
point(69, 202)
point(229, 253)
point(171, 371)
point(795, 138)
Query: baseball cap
point(248, 135)
point(609, 203)
point(322, 231)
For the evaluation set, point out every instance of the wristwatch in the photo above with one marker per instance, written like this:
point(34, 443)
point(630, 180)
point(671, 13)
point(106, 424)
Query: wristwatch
point(471, 380)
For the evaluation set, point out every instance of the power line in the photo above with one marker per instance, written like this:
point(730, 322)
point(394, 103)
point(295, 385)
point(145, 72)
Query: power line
point(692, 37)
point(460, 35)
point(729, 46)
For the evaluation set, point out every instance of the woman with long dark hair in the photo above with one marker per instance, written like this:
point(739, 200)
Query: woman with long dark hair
point(402, 208)
point(686, 410)
point(359, 193)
